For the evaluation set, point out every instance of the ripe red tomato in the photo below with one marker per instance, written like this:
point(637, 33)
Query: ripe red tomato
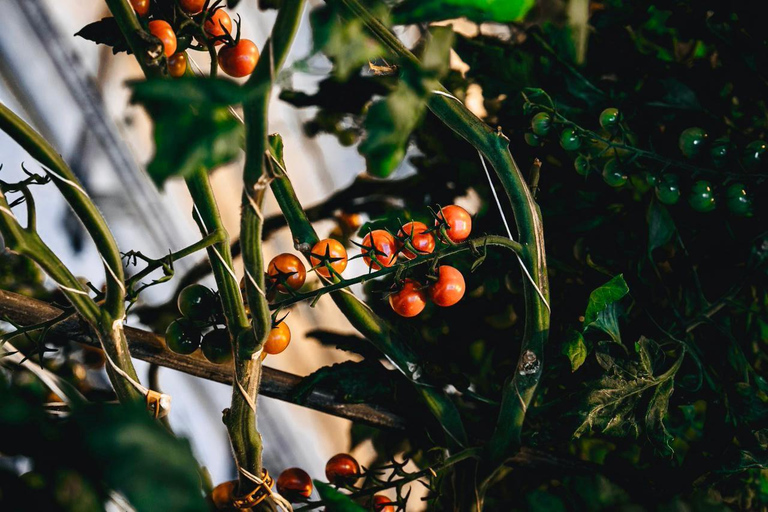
point(382, 504)
point(410, 300)
point(294, 483)
point(416, 234)
point(140, 6)
point(328, 251)
point(177, 64)
point(459, 222)
point(379, 249)
point(192, 6)
point(239, 60)
point(278, 339)
point(213, 25)
point(342, 469)
point(286, 270)
point(164, 32)
point(449, 287)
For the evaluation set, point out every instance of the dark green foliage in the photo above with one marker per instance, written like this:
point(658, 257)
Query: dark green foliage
point(105, 31)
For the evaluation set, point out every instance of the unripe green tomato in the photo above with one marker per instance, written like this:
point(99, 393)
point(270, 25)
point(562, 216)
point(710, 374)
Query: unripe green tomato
point(755, 154)
point(613, 174)
point(609, 119)
point(702, 198)
point(581, 164)
point(650, 178)
point(182, 336)
point(667, 190)
point(720, 151)
point(532, 139)
point(737, 200)
point(216, 346)
point(570, 140)
point(541, 123)
point(692, 141)
point(196, 302)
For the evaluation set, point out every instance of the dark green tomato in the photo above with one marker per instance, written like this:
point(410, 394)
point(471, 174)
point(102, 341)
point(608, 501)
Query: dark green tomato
point(613, 174)
point(737, 200)
point(650, 178)
point(755, 154)
point(667, 190)
point(182, 336)
point(720, 151)
point(609, 119)
point(532, 139)
point(581, 164)
point(692, 141)
point(196, 302)
point(216, 346)
point(702, 198)
point(570, 140)
point(541, 123)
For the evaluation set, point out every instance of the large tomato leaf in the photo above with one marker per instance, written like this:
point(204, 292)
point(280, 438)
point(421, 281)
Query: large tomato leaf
point(105, 31)
point(503, 11)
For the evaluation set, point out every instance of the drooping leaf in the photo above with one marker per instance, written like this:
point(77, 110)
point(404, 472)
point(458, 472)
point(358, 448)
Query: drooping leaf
point(446, 412)
point(661, 227)
point(575, 349)
point(603, 296)
point(607, 321)
point(654, 418)
point(334, 500)
point(193, 126)
point(503, 11)
point(347, 342)
point(350, 381)
point(344, 40)
point(107, 32)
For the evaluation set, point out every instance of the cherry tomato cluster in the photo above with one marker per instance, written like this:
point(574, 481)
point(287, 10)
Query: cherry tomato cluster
point(341, 470)
point(200, 312)
point(694, 144)
point(177, 23)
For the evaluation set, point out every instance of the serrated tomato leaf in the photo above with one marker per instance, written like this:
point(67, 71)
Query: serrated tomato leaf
point(193, 126)
point(105, 31)
point(335, 500)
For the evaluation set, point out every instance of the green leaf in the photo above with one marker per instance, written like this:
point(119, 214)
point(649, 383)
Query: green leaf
point(344, 40)
point(334, 500)
point(193, 126)
point(654, 418)
point(661, 227)
point(446, 412)
point(107, 32)
point(604, 296)
point(575, 349)
point(503, 11)
point(350, 381)
point(607, 321)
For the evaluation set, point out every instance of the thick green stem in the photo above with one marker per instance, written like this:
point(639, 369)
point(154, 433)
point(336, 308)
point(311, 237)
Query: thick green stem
point(147, 48)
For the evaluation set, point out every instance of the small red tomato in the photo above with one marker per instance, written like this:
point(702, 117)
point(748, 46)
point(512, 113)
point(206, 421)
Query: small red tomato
point(342, 469)
point(449, 287)
point(459, 222)
point(192, 6)
point(177, 64)
point(410, 300)
point(287, 270)
point(140, 6)
point(379, 249)
point(294, 483)
point(278, 339)
point(217, 23)
point(382, 504)
point(239, 60)
point(328, 251)
point(164, 32)
point(416, 234)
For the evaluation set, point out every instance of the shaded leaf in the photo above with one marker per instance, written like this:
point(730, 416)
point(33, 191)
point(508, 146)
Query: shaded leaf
point(661, 227)
point(575, 350)
point(608, 322)
point(603, 296)
point(415, 11)
point(107, 32)
point(654, 418)
point(350, 381)
point(334, 500)
point(347, 342)
point(446, 412)
point(193, 126)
